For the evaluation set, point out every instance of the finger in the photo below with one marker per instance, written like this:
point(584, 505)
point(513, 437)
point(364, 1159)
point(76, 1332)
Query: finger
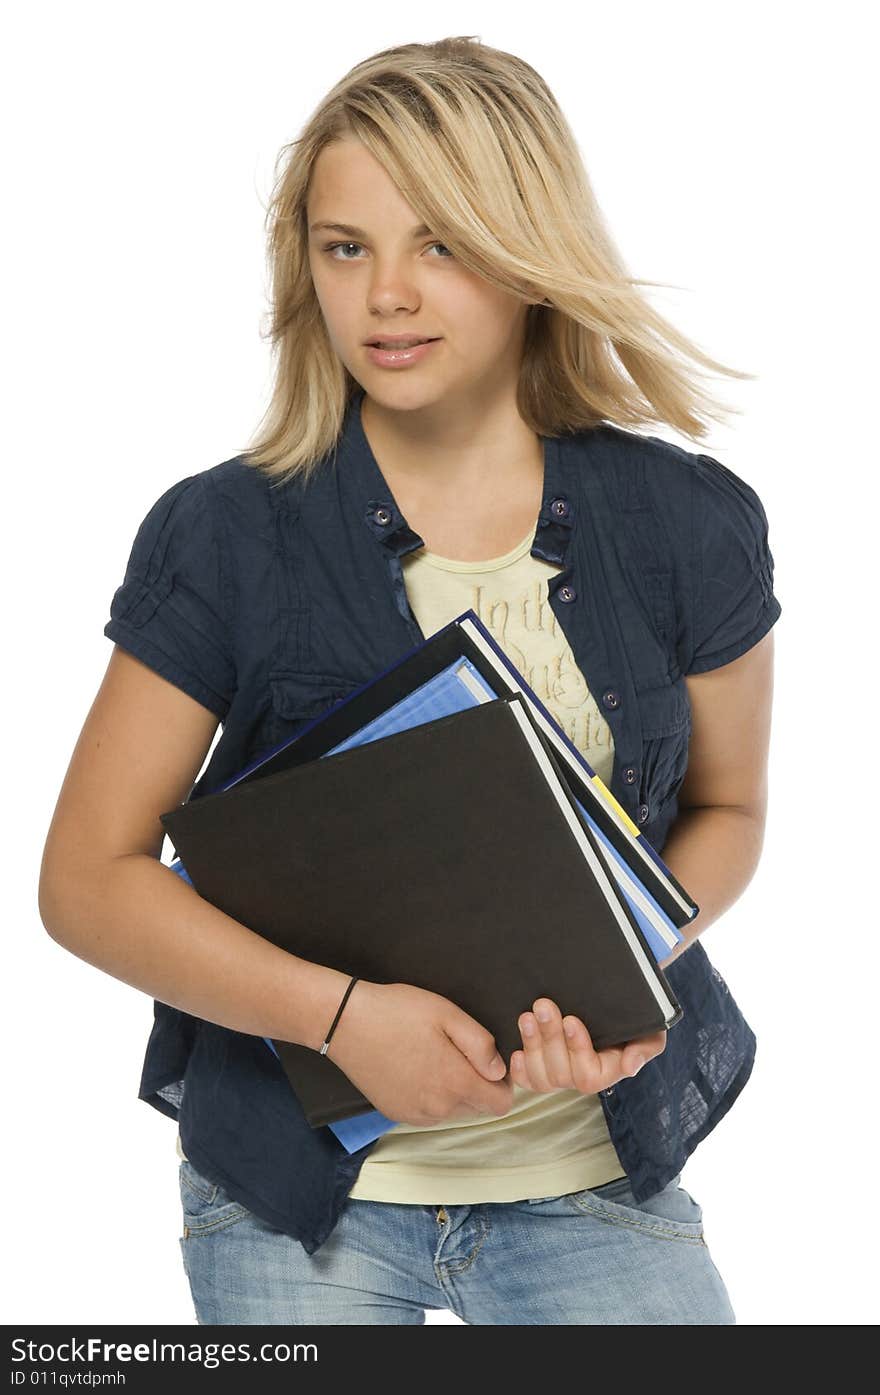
point(620, 1063)
point(592, 1070)
point(585, 1063)
point(554, 1043)
point(595, 1070)
point(640, 1050)
point(533, 1053)
point(518, 1073)
point(653, 1045)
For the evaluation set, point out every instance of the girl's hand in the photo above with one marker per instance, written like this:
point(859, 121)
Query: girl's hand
point(553, 1060)
point(418, 1057)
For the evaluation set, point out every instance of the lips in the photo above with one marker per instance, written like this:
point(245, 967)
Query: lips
point(408, 342)
point(400, 355)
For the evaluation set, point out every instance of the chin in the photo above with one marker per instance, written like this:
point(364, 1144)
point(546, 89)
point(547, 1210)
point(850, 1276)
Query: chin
point(399, 396)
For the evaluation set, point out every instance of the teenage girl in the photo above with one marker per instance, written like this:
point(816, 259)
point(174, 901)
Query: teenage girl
point(437, 194)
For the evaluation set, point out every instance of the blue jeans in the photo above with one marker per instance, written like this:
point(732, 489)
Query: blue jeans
point(593, 1256)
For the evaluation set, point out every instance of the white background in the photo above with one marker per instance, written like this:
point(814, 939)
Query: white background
point(729, 146)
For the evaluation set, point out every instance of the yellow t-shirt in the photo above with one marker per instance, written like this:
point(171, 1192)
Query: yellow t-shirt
point(546, 1144)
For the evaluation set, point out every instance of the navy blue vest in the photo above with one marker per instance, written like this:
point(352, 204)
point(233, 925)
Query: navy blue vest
point(268, 604)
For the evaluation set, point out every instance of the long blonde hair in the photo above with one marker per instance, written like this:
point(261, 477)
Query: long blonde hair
point(475, 141)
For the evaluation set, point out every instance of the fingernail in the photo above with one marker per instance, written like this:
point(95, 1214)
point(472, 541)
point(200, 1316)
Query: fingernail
point(568, 1028)
point(528, 1026)
point(542, 1013)
point(496, 1062)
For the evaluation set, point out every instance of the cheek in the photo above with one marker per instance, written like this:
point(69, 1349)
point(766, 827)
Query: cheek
point(339, 321)
point(330, 301)
point(481, 339)
point(495, 320)
point(468, 305)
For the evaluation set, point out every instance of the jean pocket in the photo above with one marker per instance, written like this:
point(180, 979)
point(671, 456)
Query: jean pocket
point(206, 1205)
point(562, 1197)
point(672, 1213)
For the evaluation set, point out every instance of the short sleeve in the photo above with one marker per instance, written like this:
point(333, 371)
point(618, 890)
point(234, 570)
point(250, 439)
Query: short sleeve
point(731, 567)
point(169, 611)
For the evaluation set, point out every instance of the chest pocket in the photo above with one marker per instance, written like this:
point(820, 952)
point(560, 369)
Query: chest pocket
point(665, 714)
point(298, 698)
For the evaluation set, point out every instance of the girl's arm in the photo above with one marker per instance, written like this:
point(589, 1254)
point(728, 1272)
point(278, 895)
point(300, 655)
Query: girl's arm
point(713, 848)
point(105, 896)
point(715, 844)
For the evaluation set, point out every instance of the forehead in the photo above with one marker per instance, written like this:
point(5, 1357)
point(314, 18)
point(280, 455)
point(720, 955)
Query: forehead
point(348, 184)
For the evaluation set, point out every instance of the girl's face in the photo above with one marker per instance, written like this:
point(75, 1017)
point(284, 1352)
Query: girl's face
point(384, 276)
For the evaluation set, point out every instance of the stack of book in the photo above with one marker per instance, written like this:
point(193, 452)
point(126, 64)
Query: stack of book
point(437, 827)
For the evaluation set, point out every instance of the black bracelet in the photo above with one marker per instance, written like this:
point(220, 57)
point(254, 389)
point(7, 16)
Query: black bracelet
point(326, 1042)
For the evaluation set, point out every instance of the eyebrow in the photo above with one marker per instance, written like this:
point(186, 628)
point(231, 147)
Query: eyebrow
point(359, 232)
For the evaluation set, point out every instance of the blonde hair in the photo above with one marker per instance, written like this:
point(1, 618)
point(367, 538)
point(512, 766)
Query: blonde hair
point(476, 143)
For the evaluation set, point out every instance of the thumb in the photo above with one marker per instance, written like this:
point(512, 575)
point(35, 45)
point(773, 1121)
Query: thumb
point(495, 1068)
point(478, 1045)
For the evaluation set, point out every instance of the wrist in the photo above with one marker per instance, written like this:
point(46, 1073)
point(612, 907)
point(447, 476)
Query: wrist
point(346, 1032)
point(318, 993)
point(328, 1037)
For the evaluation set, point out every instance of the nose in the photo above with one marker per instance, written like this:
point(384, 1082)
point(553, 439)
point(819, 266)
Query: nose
point(391, 289)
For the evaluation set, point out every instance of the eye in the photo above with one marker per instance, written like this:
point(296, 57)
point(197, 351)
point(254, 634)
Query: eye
point(332, 246)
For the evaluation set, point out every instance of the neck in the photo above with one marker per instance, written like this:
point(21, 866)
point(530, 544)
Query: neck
point(439, 452)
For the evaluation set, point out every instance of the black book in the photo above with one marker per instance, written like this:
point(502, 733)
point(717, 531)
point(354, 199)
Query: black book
point(466, 637)
point(451, 856)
